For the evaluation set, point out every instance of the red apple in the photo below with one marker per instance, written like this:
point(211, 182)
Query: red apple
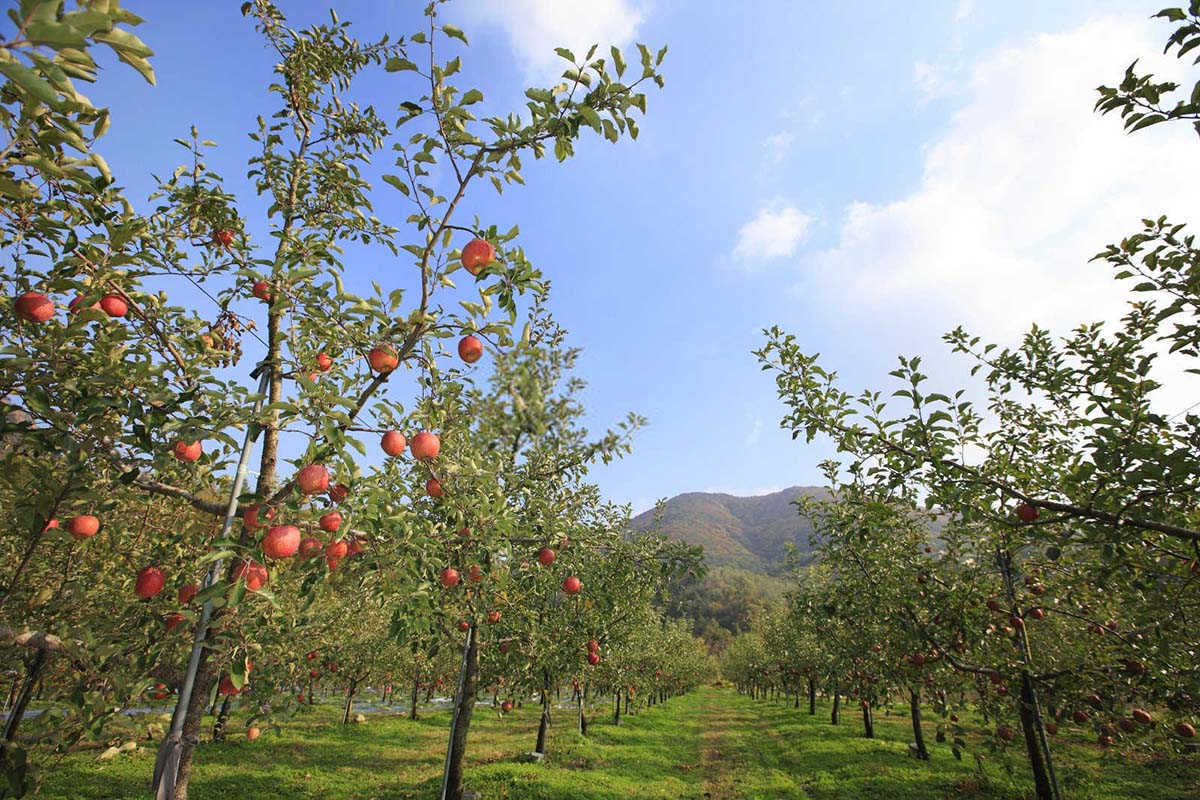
point(336, 550)
point(1036, 613)
point(493, 617)
point(173, 621)
point(330, 522)
point(1005, 733)
point(114, 305)
point(251, 517)
point(433, 488)
point(463, 625)
point(506, 706)
point(310, 547)
point(324, 362)
point(149, 582)
point(1143, 716)
point(282, 541)
point(354, 547)
point(253, 573)
point(572, 585)
point(477, 254)
point(252, 733)
point(593, 646)
point(449, 577)
point(425, 446)
point(545, 556)
point(474, 573)
point(1026, 513)
point(83, 526)
point(1184, 730)
point(393, 443)
point(188, 451)
point(1051, 727)
point(34, 307)
point(76, 305)
point(313, 479)
point(223, 237)
point(50, 525)
point(593, 658)
point(1081, 716)
point(470, 349)
point(226, 686)
point(382, 358)
point(262, 290)
point(339, 492)
point(187, 592)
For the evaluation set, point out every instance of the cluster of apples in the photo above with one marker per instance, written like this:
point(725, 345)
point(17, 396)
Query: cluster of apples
point(37, 307)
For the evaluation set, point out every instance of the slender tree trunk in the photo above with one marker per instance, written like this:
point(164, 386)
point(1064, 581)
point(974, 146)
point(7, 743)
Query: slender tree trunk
point(583, 720)
point(837, 700)
point(218, 732)
point(412, 712)
point(312, 687)
point(191, 724)
point(349, 700)
point(812, 697)
point(617, 710)
point(544, 721)
point(868, 720)
point(33, 672)
point(918, 734)
point(461, 720)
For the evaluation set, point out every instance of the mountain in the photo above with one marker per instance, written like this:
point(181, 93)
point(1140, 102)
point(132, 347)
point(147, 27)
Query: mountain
point(750, 533)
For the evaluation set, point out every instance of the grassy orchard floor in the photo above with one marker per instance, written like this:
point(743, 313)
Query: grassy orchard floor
point(710, 744)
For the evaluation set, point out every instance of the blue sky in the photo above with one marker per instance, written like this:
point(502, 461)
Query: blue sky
point(866, 177)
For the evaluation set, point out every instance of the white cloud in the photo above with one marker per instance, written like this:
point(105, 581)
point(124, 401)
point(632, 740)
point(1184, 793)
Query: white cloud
point(774, 232)
point(1019, 190)
point(536, 27)
point(776, 148)
point(963, 10)
point(755, 433)
point(932, 81)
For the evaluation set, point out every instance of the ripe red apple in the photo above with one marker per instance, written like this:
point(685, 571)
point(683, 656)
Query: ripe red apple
point(1184, 730)
point(34, 306)
point(593, 646)
point(310, 546)
point(463, 625)
point(1081, 716)
point(282, 541)
point(545, 556)
point(251, 517)
point(1004, 732)
point(252, 733)
point(223, 237)
point(226, 686)
point(470, 349)
point(477, 254)
point(994, 605)
point(382, 358)
point(474, 573)
point(1036, 613)
point(572, 585)
point(354, 546)
point(313, 479)
point(187, 592)
point(311, 655)
point(449, 577)
point(330, 522)
point(337, 549)
point(1143, 716)
point(76, 305)
point(83, 526)
point(188, 451)
point(1051, 727)
point(312, 673)
point(1105, 740)
point(393, 443)
point(593, 658)
point(149, 582)
point(300, 697)
point(261, 290)
point(425, 446)
point(114, 305)
point(339, 492)
point(433, 488)
point(253, 573)
point(506, 706)
point(1026, 513)
point(173, 621)
point(1127, 724)
point(51, 524)
point(324, 362)
point(493, 617)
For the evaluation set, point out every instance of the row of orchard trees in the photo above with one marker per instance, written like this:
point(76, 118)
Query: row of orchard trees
point(141, 557)
point(1036, 558)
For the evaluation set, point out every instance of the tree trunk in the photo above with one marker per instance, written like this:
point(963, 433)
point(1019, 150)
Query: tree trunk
point(868, 721)
point(837, 699)
point(412, 712)
point(218, 732)
point(617, 710)
point(583, 720)
point(191, 725)
point(33, 672)
point(1036, 745)
point(349, 700)
point(544, 721)
point(918, 734)
point(464, 705)
point(812, 697)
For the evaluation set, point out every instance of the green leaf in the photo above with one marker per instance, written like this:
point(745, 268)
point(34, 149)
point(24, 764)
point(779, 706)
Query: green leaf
point(565, 53)
point(397, 64)
point(30, 81)
point(472, 96)
point(618, 60)
point(453, 33)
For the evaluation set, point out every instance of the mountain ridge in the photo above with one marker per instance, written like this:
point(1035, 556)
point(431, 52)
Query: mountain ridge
point(750, 533)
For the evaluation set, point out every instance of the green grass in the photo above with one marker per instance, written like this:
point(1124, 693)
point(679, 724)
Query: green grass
point(710, 744)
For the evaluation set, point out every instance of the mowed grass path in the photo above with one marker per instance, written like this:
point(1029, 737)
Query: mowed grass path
point(712, 744)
